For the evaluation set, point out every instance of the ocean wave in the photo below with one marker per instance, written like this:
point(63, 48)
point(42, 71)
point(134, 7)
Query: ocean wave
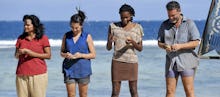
point(57, 43)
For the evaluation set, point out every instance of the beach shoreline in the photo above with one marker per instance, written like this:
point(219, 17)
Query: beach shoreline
point(151, 80)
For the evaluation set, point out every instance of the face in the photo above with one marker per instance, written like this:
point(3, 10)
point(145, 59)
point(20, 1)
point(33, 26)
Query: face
point(174, 15)
point(28, 26)
point(125, 17)
point(76, 28)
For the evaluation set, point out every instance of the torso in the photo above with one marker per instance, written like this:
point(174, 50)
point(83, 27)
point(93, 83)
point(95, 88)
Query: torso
point(121, 52)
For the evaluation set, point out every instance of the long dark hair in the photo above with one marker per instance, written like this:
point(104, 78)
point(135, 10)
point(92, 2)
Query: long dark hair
point(78, 18)
point(38, 26)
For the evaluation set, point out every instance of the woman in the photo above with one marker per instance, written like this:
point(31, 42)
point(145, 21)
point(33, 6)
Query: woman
point(32, 47)
point(77, 49)
point(127, 37)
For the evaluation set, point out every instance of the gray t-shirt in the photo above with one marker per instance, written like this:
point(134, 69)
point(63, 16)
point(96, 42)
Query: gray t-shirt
point(169, 34)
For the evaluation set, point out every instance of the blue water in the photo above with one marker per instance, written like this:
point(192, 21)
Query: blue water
point(10, 30)
point(151, 81)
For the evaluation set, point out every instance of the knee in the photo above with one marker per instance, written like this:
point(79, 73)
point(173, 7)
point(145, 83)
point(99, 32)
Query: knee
point(189, 92)
point(83, 95)
point(171, 91)
point(133, 91)
point(71, 95)
point(115, 93)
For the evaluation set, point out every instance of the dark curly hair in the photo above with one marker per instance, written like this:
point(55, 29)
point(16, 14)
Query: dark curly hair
point(78, 18)
point(38, 27)
point(128, 8)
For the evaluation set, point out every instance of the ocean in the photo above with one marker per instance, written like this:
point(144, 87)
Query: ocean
point(55, 30)
point(151, 80)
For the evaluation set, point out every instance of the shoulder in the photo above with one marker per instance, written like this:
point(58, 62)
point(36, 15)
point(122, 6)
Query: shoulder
point(44, 38)
point(190, 23)
point(139, 28)
point(166, 22)
point(187, 20)
point(138, 25)
point(115, 24)
point(68, 34)
point(86, 34)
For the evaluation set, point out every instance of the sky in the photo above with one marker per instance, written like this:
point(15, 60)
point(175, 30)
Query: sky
point(98, 10)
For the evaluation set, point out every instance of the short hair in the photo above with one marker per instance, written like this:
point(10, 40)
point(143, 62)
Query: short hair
point(173, 5)
point(126, 7)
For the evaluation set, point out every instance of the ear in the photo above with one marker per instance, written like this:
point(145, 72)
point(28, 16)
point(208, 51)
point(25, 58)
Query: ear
point(179, 10)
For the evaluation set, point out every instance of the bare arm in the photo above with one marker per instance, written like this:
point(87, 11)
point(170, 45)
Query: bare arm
point(92, 52)
point(188, 45)
point(138, 46)
point(45, 55)
point(17, 53)
point(164, 46)
point(62, 50)
point(90, 55)
point(110, 40)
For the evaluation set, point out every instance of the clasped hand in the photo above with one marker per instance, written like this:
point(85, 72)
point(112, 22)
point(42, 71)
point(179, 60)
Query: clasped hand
point(172, 48)
point(71, 56)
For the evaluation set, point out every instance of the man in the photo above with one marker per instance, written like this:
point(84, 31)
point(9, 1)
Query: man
point(179, 36)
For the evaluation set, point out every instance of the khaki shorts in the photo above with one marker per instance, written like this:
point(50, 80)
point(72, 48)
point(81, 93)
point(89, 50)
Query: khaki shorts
point(32, 86)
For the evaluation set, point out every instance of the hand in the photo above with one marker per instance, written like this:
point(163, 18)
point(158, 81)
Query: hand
point(129, 41)
point(24, 51)
point(77, 55)
point(175, 47)
point(167, 48)
point(68, 55)
point(111, 38)
point(63, 54)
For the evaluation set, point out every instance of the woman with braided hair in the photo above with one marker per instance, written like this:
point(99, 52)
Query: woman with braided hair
point(126, 37)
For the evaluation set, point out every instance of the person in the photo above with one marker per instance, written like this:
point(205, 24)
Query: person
point(32, 47)
point(126, 37)
point(179, 36)
point(77, 49)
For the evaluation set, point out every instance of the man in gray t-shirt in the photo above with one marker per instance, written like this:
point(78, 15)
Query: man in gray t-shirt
point(179, 36)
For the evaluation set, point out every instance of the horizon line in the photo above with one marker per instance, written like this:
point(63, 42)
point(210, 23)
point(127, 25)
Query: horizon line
point(92, 20)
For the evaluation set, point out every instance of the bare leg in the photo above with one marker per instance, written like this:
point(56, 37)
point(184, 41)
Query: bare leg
point(171, 84)
point(133, 88)
point(71, 89)
point(188, 84)
point(116, 85)
point(83, 90)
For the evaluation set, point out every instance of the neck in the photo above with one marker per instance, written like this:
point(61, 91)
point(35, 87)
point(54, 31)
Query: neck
point(124, 25)
point(31, 35)
point(77, 34)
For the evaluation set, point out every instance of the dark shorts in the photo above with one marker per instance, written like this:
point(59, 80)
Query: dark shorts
point(186, 73)
point(85, 80)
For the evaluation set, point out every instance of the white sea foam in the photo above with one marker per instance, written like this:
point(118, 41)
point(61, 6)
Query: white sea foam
point(57, 42)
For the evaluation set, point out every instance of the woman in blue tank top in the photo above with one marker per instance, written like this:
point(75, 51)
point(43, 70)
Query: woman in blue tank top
point(77, 49)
